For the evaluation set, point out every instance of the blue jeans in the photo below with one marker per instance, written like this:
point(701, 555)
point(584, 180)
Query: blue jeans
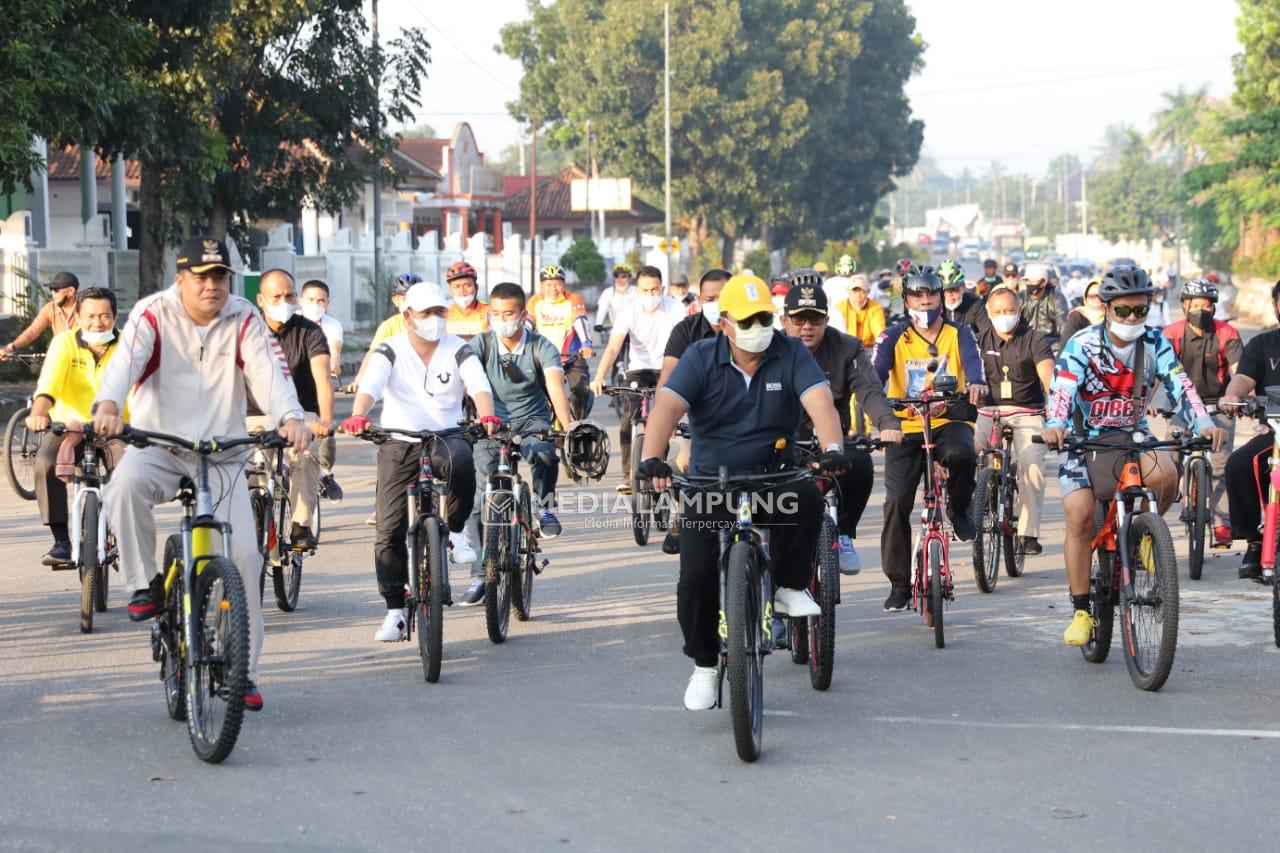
point(542, 468)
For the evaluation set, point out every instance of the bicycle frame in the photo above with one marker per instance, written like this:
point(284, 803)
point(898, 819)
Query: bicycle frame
point(88, 482)
point(1115, 528)
point(1271, 516)
point(743, 529)
point(932, 518)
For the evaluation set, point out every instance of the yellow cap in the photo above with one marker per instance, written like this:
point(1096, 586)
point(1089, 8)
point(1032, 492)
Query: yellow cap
point(821, 266)
point(745, 296)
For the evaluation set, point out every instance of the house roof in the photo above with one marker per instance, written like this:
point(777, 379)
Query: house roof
point(554, 199)
point(429, 152)
point(64, 165)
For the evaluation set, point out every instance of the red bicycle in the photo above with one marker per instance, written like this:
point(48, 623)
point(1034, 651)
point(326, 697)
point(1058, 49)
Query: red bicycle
point(1268, 409)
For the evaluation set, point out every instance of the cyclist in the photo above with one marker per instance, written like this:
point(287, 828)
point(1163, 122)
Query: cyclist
point(420, 375)
point(517, 362)
point(1089, 312)
point(1209, 350)
point(958, 304)
point(648, 322)
point(188, 354)
point(58, 314)
point(903, 356)
point(561, 317)
point(990, 278)
point(1011, 274)
point(615, 300)
point(736, 423)
point(315, 307)
point(1043, 305)
point(679, 291)
point(858, 314)
point(72, 371)
point(468, 316)
point(1018, 363)
point(847, 367)
point(306, 357)
point(1096, 393)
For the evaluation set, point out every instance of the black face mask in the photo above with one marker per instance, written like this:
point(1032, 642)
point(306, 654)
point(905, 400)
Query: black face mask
point(1202, 319)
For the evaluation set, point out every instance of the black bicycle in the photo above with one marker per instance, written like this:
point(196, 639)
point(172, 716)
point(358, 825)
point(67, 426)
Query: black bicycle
point(994, 508)
point(268, 476)
point(650, 510)
point(93, 546)
point(20, 443)
point(1195, 514)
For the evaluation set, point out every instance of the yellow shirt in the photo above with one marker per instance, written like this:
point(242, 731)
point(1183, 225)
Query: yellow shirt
point(865, 324)
point(467, 322)
point(389, 327)
point(71, 375)
point(902, 358)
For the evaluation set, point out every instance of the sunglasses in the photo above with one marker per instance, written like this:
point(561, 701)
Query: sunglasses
point(1124, 312)
point(918, 292)
point(809, 319)
point(763, 320)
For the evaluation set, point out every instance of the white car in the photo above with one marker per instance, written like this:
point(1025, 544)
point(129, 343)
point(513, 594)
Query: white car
point(970, 250)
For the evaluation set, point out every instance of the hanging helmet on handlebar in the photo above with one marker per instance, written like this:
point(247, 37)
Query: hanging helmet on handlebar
point(586, 451)
point(1200, 288)
point(1125, 281)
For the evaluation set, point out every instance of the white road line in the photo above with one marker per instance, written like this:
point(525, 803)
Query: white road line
point(1257, 734)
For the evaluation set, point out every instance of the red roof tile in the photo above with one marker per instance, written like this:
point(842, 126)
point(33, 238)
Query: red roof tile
point(64, 165)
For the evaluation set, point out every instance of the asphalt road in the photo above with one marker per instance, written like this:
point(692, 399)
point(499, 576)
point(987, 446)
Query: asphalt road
point(572, 735)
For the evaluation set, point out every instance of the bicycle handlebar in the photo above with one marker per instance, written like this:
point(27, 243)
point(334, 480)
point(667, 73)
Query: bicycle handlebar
point(637, 391)
point(745, 482)
point(380, 435)
point(1075, 442)
point(932, 399)
point(995, 413)
point(145, 438)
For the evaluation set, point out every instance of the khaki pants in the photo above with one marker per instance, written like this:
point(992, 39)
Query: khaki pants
point(1030, 465)
point(304, 472)
point(148, 476)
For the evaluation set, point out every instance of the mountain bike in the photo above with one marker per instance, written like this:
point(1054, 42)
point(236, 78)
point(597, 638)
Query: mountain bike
point(994, 509)
point(428, 545)
point(1196, 491)
point(268, 475)
point(201, 636)
point(20, 443)
point(650, 510)
point(1267, 408)
point(1133, 567)
point(93, 545)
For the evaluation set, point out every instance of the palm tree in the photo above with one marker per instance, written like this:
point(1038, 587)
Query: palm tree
point(1176, 123)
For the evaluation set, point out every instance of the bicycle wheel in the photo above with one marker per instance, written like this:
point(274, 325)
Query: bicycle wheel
point(936, 592)
point(641, 498)
point(497, 575)
point(111, 558)
point(985, 512)
point(286, 576)
point(1014, 559)
point(432, 564)
point(165, 639)
point(1149, 618)
point(217, 669)
point(744, 612)
point(316, 525)
point(527, 561)
point(1197, 502)
point(826, 591)
point(1101, 595)
point(20, 445)
point(89, 569)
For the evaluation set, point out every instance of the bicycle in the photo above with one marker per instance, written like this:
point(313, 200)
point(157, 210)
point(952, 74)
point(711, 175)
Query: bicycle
point(650, 510)
point(20, 443)
point(1194, 497)
point(268, 477)
point(618, 373)
point(201, 636)
point(746, 600)
point(1268, 410)
point(93, 549)
point(510, 544)
point(1134, 567)
point(994, 508)
point(428, 542)
point(931, 580)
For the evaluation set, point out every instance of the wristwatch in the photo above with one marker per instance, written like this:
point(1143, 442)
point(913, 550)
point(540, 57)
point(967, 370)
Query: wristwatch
point(832, 447)
point(295, 415)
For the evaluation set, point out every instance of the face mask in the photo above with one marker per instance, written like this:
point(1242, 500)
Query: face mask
point(1202, 319)
point(313, 311)
point(506, 328)
point(924, 319)
point(651, 303)
point(464, 301)
point(755, 339)
point(281, 312)
point(96, 338)
point(1005, 323)
point(1126, 332)
point(711, 311)
point(429, 328)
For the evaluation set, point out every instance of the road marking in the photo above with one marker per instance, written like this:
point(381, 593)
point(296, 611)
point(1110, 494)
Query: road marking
point(617, 706)
point(1256, 734)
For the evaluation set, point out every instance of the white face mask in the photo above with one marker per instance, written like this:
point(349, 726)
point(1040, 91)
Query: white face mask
point(754, 339)
point(1125, 331)
point(313, 311)
point(711, 311)
point(281, 312)
point(1005, 323)
point(429, 328)
point(464, 301)
point(651, 303)
point(96, 338)
point(506, 328)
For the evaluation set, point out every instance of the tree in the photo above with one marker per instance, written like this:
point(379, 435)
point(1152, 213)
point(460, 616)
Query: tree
point(1134, 200)
point(585, 260)
point(421, 131)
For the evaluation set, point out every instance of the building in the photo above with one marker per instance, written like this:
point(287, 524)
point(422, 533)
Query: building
point(556, 218)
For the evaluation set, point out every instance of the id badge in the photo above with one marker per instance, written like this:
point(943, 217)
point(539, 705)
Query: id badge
point(1006, 390)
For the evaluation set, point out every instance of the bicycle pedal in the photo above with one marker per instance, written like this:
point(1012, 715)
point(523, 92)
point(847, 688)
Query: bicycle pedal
point(63, 567)
point(537, 569)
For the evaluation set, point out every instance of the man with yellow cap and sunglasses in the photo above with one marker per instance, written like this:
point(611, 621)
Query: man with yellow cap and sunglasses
point(745, 391)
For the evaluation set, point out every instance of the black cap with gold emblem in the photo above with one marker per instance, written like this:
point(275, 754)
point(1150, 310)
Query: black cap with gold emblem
point(806, 299)
point(202, 254)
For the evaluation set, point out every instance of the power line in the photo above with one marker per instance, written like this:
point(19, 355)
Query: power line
point(1023, 84)
point(465, 55)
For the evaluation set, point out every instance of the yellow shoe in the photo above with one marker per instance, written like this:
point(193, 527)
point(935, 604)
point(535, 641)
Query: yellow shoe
point(1147, 554)
point(1080, 631)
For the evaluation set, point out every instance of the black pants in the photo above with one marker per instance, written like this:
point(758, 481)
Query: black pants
point(397, 470)
point(854, 487)
point(793, 526)
point(578, 377)
point(1247, 486)
point(903, 468)
point(631, 408)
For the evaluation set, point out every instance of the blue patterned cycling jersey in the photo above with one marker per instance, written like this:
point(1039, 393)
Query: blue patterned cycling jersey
point(1096, 378)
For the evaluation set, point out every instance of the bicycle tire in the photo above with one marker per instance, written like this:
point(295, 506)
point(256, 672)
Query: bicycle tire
point(822, 629)
point(1014, 559)
point(497, 578)
point(1150, 658)
point(526, 568)
point(172, 673)
point(1101, 595)
point(217, 674)
point(936, 592)
point(112, 557)
point(984, 514)
point(286, 575)
point(744, 612)
point(1198, 510)
point(316, 524)
point(1275, 611)
point(432, 564)
point(20, 445)
point(89, 569)
point(641, 497)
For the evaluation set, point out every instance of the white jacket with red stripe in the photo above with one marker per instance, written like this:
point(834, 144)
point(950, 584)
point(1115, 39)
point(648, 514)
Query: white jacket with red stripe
point(192, 385)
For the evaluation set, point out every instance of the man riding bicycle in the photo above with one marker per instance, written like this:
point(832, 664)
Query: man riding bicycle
point(468, 316)
point(1097, 392)
point(58, 314)
point(561, 317)
point(958, 304)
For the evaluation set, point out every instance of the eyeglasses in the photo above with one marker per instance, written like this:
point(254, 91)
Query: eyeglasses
point(1124, 312)
point(763, 320)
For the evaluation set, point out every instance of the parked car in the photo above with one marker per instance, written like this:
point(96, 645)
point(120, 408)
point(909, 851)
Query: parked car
point(941, 246)
point(970, 250)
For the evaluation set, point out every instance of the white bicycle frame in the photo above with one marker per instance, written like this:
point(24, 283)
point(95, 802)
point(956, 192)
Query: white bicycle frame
point(77, 511)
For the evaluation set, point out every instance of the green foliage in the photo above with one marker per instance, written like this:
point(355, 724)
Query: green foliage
point(757, 260)
point(421, 131)
point(1136, 199)
point(1258, 28)
point(585, 260)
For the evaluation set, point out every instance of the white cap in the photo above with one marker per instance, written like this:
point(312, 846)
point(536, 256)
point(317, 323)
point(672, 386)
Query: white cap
point(424, 295)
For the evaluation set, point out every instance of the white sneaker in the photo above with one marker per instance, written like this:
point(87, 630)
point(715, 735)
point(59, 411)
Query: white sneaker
point(795, 602)
point(393, 627)
point(850, 562)
point(460, 550)
point(700, 695)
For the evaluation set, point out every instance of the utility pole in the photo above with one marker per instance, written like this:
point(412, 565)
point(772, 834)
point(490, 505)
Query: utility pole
point(378, 301)
point(1084, 201)
point(1177, 210)
point(591, 220)
point(666, 109)
point(533, 209)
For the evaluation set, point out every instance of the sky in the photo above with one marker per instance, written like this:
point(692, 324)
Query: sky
point(1020, 81)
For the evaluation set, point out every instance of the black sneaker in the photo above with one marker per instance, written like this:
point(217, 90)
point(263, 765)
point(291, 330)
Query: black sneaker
point(898, 600)
point(671, 543)
point(963, 527)
point(252, 697)
point(474, 594)
point(330, 489)
point(145, 604)
point(302, 538)
point(58, 555)
point(1030, 546)
point(1251, 565)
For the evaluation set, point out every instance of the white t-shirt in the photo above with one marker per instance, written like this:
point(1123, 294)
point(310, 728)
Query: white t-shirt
point(612, 303)
point(649, 332)
point(417, 396)
point(332, 330)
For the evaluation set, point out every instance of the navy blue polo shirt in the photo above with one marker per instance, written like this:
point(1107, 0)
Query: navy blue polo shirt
point(735, 422)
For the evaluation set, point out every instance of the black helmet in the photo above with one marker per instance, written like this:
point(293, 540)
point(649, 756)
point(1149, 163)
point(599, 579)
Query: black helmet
point(1125, 281)
point(921, 278)
point(904, 266)
point(803, 277)
point(586, 450)
point(1200, 288)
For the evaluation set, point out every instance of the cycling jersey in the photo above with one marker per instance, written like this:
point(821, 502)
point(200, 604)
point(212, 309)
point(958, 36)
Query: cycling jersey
point(389, 327)
point(902, 358)
point(865, 323)
point(1095, 378)
point(564, 323)
point(71, 375)
point(467, 322)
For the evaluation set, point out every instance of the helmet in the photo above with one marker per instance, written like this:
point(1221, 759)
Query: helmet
point(1202, 288)
point(904, 266)
point(551, 271)
point(921, 278)
point(779, 288)
point(951, 274)
point(460, 269)
point(821, 266)
point(846, 265)
point(404, 281)
point(586, 450)
point(804, 277)
point(1125, 281)
point(1213, 277)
